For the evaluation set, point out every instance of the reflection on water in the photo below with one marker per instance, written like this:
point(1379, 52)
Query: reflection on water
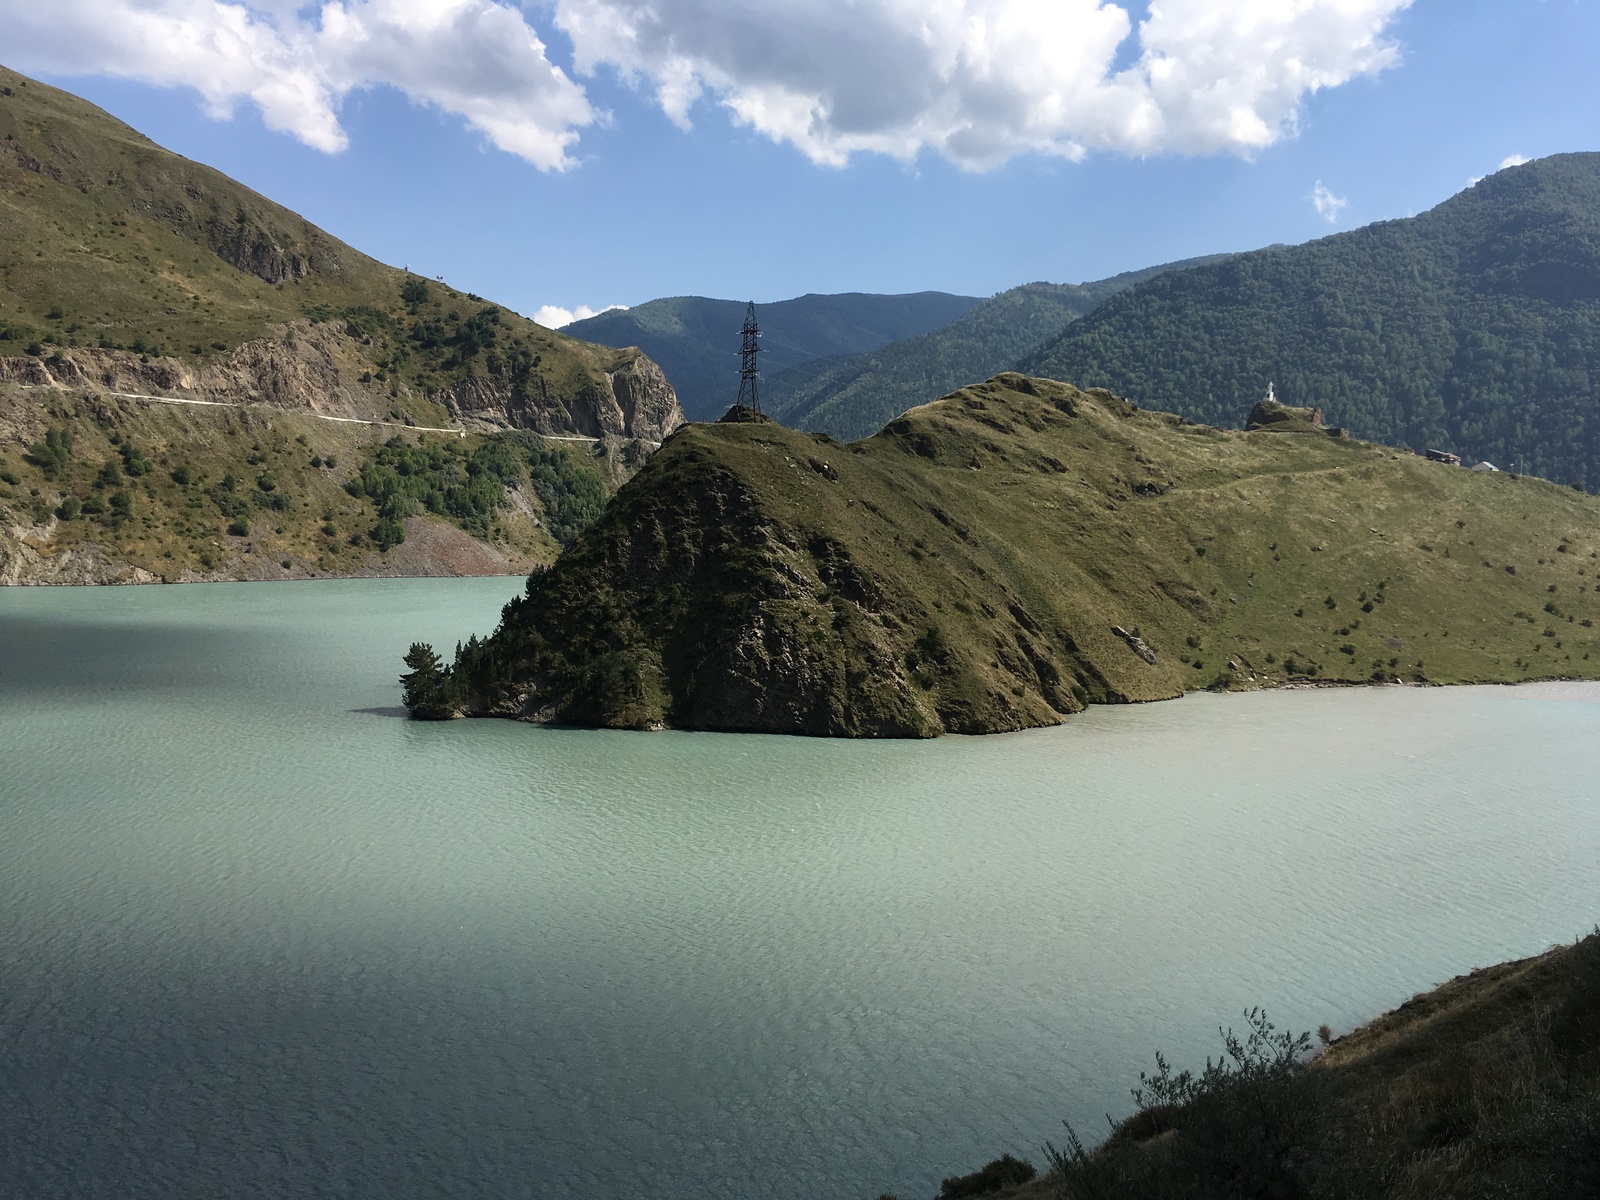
point(262, 939)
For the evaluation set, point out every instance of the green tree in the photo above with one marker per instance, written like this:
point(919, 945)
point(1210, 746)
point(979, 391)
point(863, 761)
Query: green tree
point(425, 687)
point(52, 455)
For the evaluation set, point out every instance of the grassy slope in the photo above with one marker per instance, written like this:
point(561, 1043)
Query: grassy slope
point(130, 268)
point(107, 238)
point(181, 531)
point(854, 396)
point(963, 571)
point(1473, 327)
point(696, 339)
point(1486, 1086)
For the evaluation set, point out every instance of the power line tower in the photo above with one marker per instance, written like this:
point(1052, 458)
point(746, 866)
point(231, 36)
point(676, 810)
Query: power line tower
point(749, 347)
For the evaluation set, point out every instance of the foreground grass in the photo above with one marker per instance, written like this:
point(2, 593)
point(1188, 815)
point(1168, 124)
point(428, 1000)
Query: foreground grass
point(1488, 1086)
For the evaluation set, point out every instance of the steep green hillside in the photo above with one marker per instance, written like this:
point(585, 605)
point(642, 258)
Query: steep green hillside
point(696, 340)
point(858, 394)
point(98, 489)
point(1015, 551)
point(124, 264)
point(1474, 327)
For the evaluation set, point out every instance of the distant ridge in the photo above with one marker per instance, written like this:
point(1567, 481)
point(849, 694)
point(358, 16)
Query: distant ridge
point(856, 395)
point(696, 339)
point(1474, 327)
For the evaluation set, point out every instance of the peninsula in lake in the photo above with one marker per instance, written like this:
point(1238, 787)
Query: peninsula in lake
point(1005, 556)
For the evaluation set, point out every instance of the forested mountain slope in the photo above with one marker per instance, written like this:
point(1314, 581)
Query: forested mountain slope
point(856, 395)
point(1015, 551)
point(696, 339)
point(1474, 327)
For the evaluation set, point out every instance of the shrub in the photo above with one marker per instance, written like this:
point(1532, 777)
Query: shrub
point(1003, 1172)
point(239, 527)
point(183, 475)
point(388, 533)
point(121, 506)
point(70, 507)
point(53, 455)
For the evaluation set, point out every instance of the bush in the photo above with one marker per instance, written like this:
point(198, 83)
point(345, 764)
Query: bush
point(53, 455)
point(70, 508)
point(1005, 1171)
point(388, 533)
point(183, 475)
point(134, 462)
point(121, 506)
point(239, 527)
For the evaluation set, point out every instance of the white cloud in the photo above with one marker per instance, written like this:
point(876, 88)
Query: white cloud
point(553, 316)
point(977, 81)
point(980, 81)
point(1328, 205)
point(478, 59)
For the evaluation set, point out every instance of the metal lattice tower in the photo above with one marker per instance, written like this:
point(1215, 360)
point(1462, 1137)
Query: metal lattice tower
point(749, 347)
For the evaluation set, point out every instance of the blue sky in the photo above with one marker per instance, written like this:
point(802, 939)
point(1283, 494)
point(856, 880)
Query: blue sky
point(741, 206)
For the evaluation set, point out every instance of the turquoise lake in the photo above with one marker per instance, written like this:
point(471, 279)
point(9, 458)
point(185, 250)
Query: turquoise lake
point(262, 936)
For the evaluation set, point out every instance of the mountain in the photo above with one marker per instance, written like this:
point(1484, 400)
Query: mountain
point(126, 266)
point(696, 340)
point(160, 322)
point(1474, 327)
point(1015, 551)
point(855, 395)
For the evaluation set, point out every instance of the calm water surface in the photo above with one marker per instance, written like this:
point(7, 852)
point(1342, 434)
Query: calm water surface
point(261, 937)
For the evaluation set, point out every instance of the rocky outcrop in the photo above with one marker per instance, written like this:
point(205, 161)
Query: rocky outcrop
point(646, 404)
point(317, 367)
point(27, 558)
point(634, 401)
point(1275, 417)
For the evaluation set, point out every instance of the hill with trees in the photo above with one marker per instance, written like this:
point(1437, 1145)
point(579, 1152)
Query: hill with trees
point(150, 302)
point(1473, 327)
point(1016, 551)
point(855, 395)
point(696, 339)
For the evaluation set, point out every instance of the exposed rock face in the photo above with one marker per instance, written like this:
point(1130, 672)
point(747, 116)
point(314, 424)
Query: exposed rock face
point(25, 558)
point(636, 401)
point(317, 368)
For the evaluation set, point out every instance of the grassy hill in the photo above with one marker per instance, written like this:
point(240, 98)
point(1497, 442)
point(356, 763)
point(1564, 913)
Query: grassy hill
point(696, 340)
point(855, 395)
point(1015, 551)
point(1474, 327)
point(127, 271)
point(117, 256)
point(1487, 1086)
